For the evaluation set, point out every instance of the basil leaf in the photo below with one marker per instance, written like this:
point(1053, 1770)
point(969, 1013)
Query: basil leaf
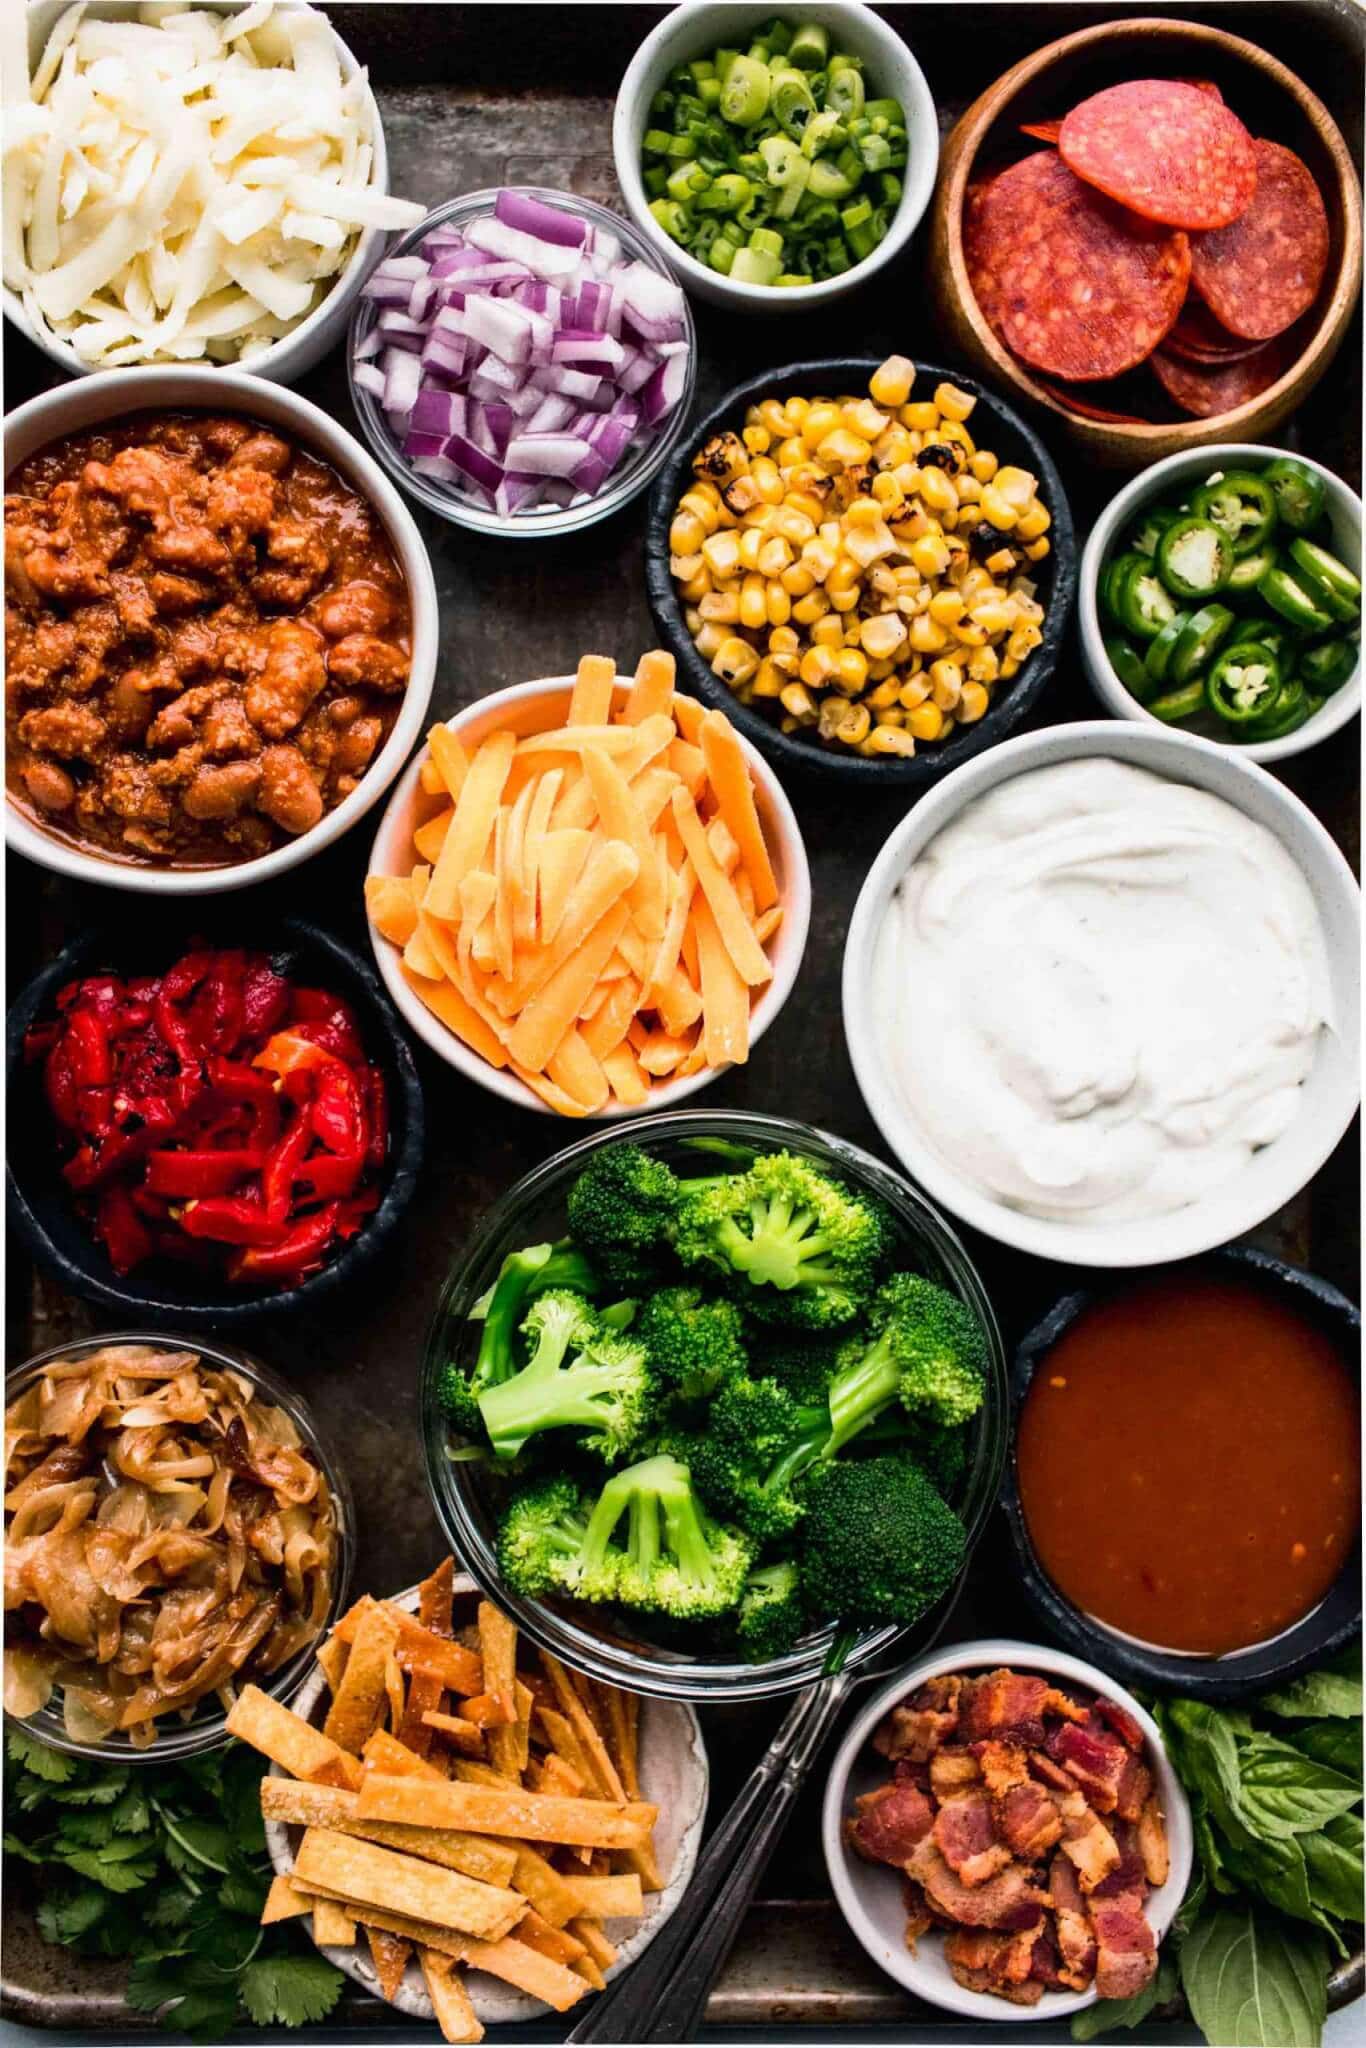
point(1333, 1862)
point(1273, 1869)
point(1282, 1791)
point(1108, 2014)
point(1209, 1750)
point(1319, 1695)
point(1335, 1743)
point(1254, 1982)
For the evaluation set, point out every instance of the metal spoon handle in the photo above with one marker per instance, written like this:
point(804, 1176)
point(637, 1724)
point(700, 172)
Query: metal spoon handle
point(662, 1998)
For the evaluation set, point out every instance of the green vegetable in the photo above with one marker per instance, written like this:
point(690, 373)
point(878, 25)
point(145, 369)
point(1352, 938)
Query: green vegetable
point(1325, 668)
point(1332, 583)
point(1197, 641)
point(620, 1210)
point(1242, 506)
point(1249, 569)
point(771, 1616)
point(1115, 574)
point(1143, 604)
point(1127, 663)
point(1300, 492)
point(878, 1543)
point(695, 1345)
point(165, 1865)
point(758, 1442)
point(1243, 681)
point(523, 1275)
point(1294, 600)
point(581, 1375)
point(704, 137)
point(1178, 704)
point(1194, 557)
point(1293, 705)
point(1279, 1877)
point(1158, 658)
point(927, 1351)
point(794, 1245)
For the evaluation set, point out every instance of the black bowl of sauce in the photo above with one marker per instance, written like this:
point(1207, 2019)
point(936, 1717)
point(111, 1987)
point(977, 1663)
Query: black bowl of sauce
point(1184, 1474)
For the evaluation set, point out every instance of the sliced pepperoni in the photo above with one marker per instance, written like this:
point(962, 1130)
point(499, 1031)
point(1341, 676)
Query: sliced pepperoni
point(1203, 85)
point(1042, 131)
point(1073, 285)
point(1207, 389)
point(1166, 149)
point(1199, 338)
point(1087, 406)
point(1260, 273)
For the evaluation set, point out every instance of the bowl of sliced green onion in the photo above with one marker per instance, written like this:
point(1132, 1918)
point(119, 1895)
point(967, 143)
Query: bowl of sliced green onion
point(775, 158)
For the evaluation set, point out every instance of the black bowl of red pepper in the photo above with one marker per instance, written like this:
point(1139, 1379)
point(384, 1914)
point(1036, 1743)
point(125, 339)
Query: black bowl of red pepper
point(209, 1132)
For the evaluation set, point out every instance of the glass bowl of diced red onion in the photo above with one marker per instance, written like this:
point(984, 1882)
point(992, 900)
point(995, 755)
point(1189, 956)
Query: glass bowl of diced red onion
point(522, 362)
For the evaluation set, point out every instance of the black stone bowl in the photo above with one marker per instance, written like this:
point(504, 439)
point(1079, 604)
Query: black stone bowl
point(41, 1208)
point(1241, 1675)
point(993, 424)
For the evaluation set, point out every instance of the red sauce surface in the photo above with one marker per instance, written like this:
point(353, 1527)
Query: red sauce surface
point(1189, 1464)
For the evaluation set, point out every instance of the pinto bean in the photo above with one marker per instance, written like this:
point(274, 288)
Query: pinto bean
point(50, 786)
point(221, 790)
point(288, 792)
point(362, 658)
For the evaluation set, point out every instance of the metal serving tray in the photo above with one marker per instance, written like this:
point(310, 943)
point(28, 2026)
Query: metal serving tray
point(482, 95)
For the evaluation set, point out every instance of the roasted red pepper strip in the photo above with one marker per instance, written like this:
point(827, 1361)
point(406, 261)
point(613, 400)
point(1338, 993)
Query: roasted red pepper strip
point(283, 1167)
point(265, 1002)
point(201, 1173)
point(88, 1046)
point(337, 1115)
point(327, 1175)
point(230, 1219)
point(121, 1230)
point(298, 1253)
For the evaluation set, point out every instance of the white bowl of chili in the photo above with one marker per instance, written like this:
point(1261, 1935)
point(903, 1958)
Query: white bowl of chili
point(341, 485)
point(1166, 484)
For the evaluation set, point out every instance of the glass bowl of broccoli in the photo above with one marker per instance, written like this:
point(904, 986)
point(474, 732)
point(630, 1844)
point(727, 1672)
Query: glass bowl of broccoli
point(714, 1403)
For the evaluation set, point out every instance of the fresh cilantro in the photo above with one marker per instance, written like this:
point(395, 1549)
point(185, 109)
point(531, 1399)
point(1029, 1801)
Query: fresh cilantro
point(165, 1868)
point(289, 1991)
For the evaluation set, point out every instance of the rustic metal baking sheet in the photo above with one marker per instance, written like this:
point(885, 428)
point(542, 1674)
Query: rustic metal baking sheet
point(476, 95)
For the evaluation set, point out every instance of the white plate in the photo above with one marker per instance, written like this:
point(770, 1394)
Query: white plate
point(673, 1774)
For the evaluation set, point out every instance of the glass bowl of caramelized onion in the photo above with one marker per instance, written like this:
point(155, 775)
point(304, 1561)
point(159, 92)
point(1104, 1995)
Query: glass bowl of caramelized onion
point(174, 1530)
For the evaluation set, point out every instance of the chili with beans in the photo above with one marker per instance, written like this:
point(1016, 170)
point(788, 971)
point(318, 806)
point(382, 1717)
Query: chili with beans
point(207, 638)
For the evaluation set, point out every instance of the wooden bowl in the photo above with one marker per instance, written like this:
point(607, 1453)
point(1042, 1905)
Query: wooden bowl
point(1273, 102)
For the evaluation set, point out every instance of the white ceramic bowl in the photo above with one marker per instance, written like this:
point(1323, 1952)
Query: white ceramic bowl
point(673, 1773)
point(534, 707)
point(304, 346)
point(869, 1894)
point(1168, 481)
point(699, 27)
point(1330, 1095)
point(113, 395)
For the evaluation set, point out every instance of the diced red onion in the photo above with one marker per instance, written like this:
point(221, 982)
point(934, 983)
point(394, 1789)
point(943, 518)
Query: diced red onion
point(521, 359)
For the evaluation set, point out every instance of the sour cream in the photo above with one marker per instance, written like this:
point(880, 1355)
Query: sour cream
point(1101, 992)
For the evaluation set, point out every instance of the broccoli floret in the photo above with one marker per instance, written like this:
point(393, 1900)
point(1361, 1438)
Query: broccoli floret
point(694, 1343)
point(541, 1543)
point(941, 1451)
point(677, 1560)
point(757, 1442)
point(803, 1367)
point(927, 1350)
point(523, 1275)
point(771, 1615)
point(620, 1210)
point(582, 1375)
point(878, 1543)
point(798, 1247)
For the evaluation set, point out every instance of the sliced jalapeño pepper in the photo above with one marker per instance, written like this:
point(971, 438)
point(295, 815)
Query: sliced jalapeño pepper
point(1248, 570)
point(1325, 668)
point(1241, 505)
point(1299, 492)
point(1289, 596)
point(1112, 577)
point(1127, 663)
point(1194, 557)
point(1244, 682)
point(1151, 528)
point(1144, 606)
point(1178, 704)
point(1157, 659)
point(1292, 707)
point(1204, 633)
point(1330, 582)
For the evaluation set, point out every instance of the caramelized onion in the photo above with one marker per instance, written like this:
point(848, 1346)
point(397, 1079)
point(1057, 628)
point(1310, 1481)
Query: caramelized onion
point(168, 1537)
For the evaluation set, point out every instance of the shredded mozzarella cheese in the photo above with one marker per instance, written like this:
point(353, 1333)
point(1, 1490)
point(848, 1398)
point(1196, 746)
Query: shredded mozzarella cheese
point(186, 186)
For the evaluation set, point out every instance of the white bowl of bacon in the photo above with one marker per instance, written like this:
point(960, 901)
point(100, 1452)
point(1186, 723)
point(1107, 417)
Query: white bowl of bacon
point(1032, 1803)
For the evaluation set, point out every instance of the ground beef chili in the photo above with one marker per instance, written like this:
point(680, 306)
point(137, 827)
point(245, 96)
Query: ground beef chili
point(207, 638)
point(218, 1113)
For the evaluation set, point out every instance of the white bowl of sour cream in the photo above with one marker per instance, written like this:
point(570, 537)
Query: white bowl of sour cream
point(1102, 994)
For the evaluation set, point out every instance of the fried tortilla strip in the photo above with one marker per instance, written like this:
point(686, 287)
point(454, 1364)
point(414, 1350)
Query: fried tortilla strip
point(389, 1953)
point(595, 1941)
point(564, 1743)
point(422, 1649)
point(466, 1736)
point(602, 1770)
point(486, 1810)
point(361, 1696)
point(621, 1738)
point(553, 1774)
point(510, 1748)
point(517, 1964)
point(490, 1710)
point(547, 1940)
point(328, 1806)
point(332, 1656)
point(608, 1898)
point(421, 1933)
point(455, 2015)
point(333, 1926)
point(542, 1885)
point(384, 1752)
point(434, 1599)
point(284, 1900)
point(288, 1740)
point(584, 1966)
point(375, 1876)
